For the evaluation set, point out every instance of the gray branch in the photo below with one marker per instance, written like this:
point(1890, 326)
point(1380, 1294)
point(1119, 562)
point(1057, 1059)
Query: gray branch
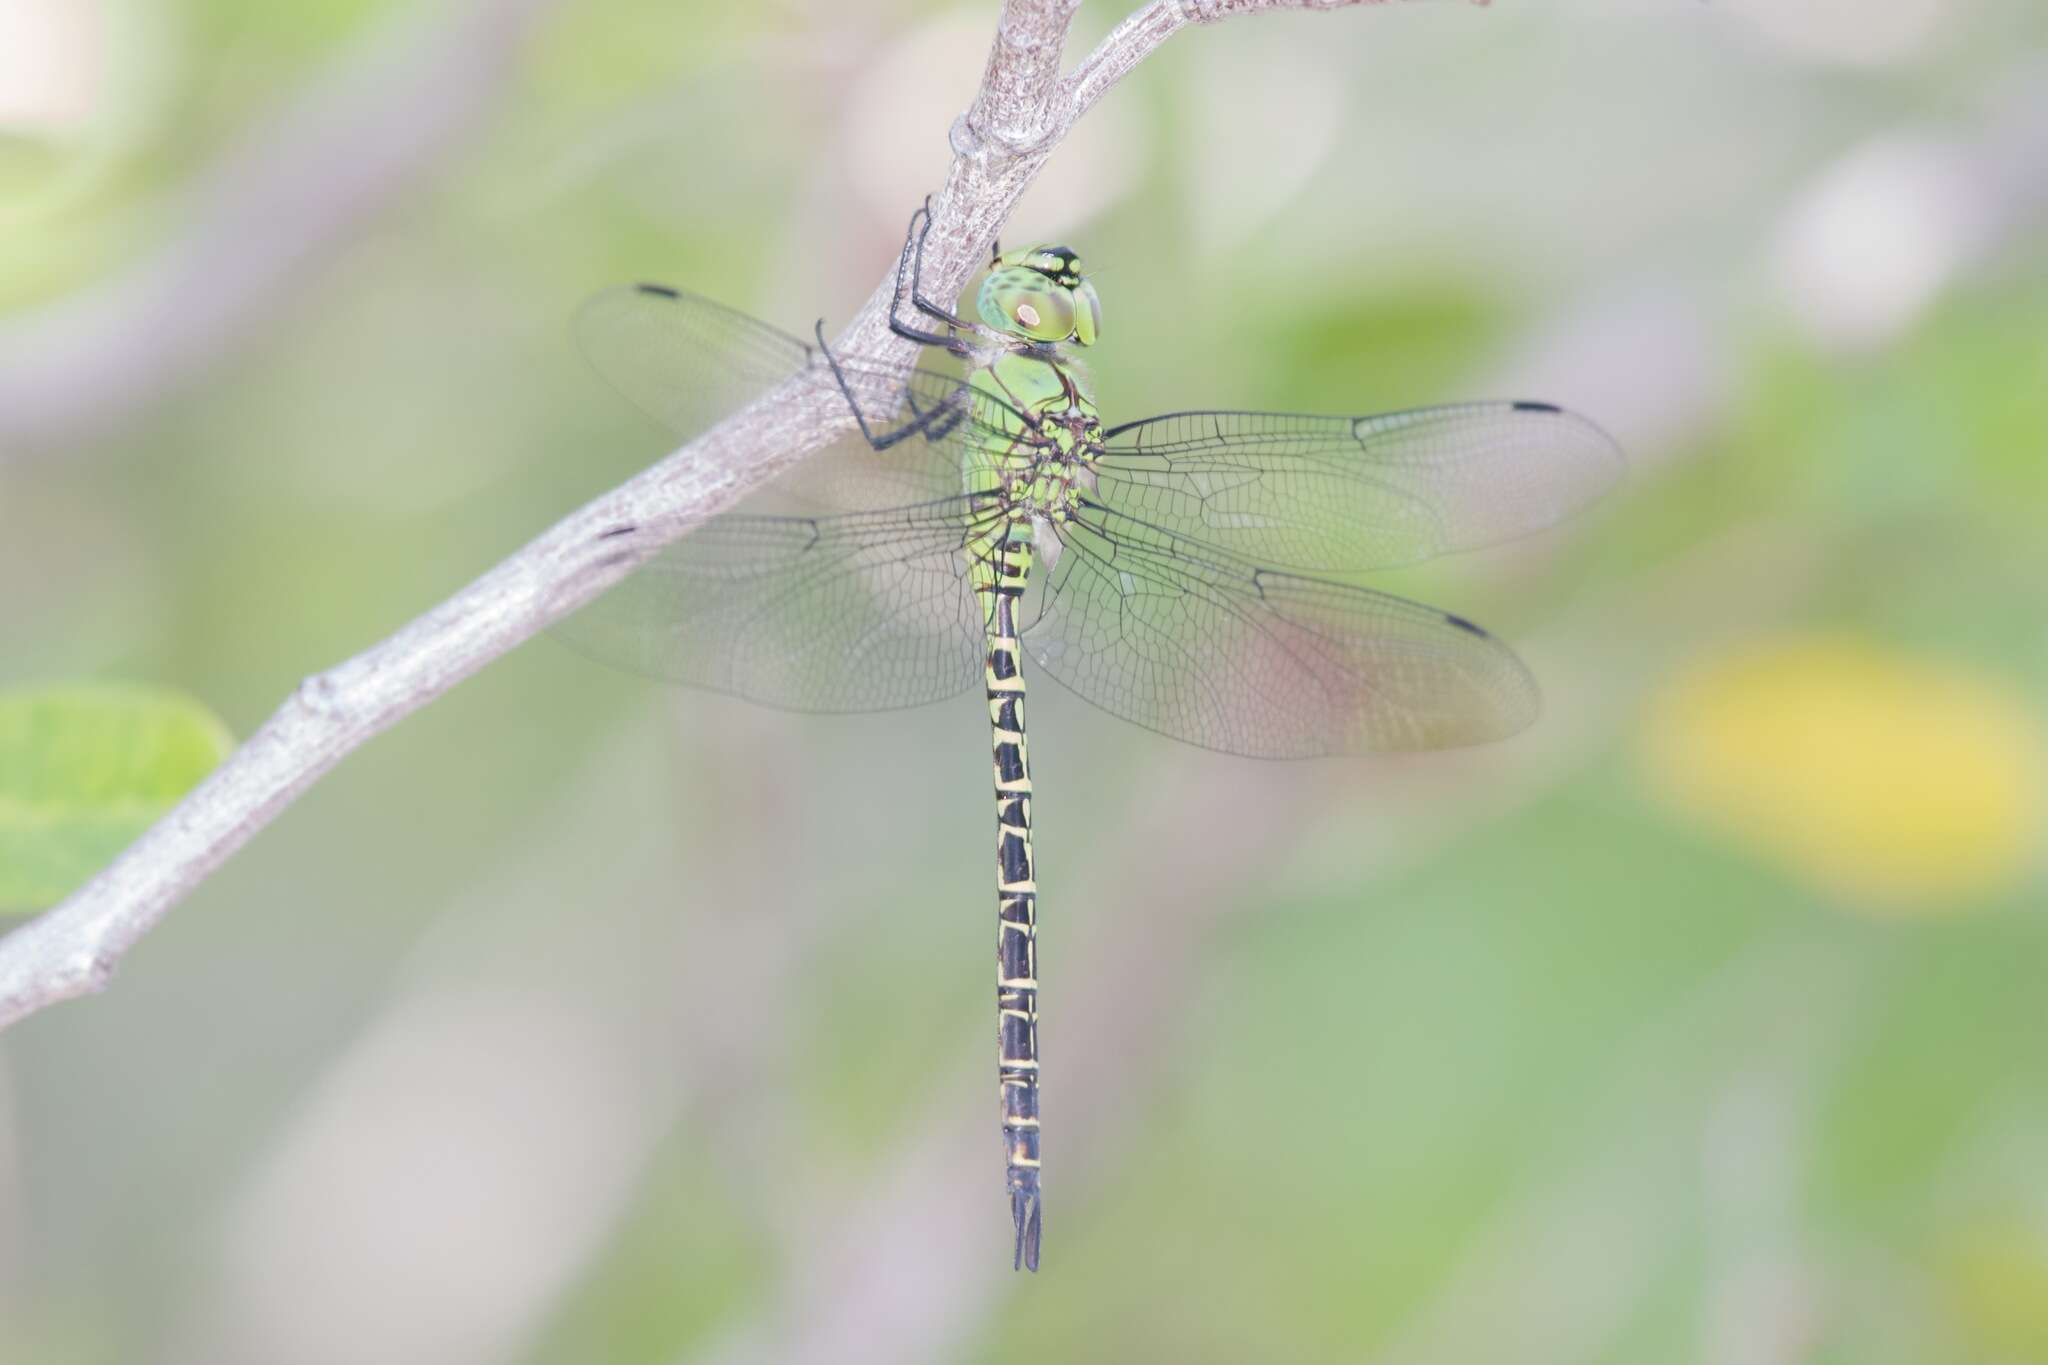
point(1134, 39)
point(1023, 109)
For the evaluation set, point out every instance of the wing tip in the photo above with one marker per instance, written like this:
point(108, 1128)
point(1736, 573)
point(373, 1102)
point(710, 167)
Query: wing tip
point(1504, 705)
point(1537, 408)
point(1604, 462)
point(1469, 627)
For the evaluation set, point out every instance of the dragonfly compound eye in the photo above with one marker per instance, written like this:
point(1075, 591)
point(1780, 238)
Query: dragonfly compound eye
point(1087, 314)
point(1023, 302)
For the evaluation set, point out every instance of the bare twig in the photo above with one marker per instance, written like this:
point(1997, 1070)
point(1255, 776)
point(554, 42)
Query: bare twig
point(1135, 38)
point(1017, 107)
point(295, 189)
point(1019, 115)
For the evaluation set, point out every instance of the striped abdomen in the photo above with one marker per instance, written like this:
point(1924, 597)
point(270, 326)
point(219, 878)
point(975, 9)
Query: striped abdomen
point(1017, 900)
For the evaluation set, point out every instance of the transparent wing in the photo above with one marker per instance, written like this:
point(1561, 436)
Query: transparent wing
point(1202, 645)
point(688, 362)
point(864, 611)
point(1349, 494)
point(840, 588)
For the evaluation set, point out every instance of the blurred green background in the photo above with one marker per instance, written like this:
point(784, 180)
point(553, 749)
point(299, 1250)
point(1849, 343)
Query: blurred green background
point(578, 1020)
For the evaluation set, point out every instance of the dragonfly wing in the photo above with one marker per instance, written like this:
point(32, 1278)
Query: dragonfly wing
point(1349, 494)
point(688, 361)
point(1198, 644)
point(841, 587)
point(863, 611)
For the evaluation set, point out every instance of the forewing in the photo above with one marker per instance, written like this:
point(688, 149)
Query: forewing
point(688, 361)
point(843, 586)
point(1349, 494)
point(1195, 643)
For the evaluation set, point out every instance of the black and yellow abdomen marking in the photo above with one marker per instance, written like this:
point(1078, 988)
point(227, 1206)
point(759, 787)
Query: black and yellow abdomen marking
point(1041, 435)
point(1017, 899)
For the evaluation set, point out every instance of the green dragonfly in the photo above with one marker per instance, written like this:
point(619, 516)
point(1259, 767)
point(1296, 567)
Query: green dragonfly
point(1167, 570)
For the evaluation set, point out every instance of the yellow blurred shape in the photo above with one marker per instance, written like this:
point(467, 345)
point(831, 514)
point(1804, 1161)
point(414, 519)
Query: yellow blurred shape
point(1899, 784)
point(1995, 1281)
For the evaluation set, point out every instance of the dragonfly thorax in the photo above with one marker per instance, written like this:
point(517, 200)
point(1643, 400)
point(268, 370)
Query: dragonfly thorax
point(1045, 436)
point(1043, 486)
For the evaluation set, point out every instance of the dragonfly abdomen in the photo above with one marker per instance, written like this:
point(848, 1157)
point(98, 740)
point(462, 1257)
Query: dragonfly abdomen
point(1016, 901)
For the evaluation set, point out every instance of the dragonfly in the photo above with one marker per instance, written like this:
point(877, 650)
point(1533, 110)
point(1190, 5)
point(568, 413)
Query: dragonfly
point(1182, 572)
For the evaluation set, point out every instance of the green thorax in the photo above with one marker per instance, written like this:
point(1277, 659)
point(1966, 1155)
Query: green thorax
point(1040, 429)
point(1040, 435)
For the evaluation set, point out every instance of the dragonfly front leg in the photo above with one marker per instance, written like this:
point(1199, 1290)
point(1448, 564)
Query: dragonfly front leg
point(950, 339)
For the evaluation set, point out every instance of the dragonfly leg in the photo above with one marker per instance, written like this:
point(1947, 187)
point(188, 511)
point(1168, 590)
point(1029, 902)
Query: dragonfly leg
point(913, 248)
point(918, 298)
point(933, 424)
point(913, 255)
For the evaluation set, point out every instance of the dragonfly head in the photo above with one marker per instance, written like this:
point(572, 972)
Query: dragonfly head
point(1037, 292)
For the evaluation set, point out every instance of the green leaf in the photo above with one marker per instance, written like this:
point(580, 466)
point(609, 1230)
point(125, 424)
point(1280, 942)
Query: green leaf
point(86, 768)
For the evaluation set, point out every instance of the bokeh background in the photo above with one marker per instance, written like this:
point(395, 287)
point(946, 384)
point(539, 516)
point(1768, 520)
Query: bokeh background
point(579, 1020)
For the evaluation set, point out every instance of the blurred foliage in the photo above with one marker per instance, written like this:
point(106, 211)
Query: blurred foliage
point(1890, 782)
point(1996, 1278)
point(1557, 1052)
point(83, 771)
